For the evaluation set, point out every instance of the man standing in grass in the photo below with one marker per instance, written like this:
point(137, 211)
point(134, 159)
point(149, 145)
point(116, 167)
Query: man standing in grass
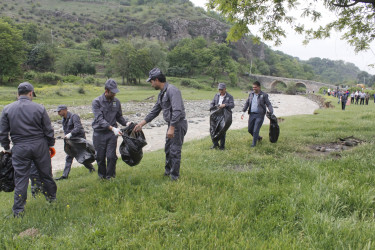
point(170, 101)
point(256, 105)
point(72, 127)
point(222, 100)
point(107, 112)
point(32, 135)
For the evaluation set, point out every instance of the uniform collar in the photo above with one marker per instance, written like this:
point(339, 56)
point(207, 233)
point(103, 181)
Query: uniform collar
point(23, 97)
point(165, 87)
point(68, 115)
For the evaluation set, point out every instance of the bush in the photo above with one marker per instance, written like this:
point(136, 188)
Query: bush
point(193, 84)
point(30, 75)
point(71, 79)
point(81, 90)
point(291, 89)
point(89, 80)
point(48, 77)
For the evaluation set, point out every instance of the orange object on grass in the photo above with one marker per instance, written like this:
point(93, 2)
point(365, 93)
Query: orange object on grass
point(52, 152)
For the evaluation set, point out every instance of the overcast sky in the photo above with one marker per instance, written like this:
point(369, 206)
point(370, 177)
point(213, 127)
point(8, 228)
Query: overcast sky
point(332, 48)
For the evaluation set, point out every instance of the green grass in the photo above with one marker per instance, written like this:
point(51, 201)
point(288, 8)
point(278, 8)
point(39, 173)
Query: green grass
point(281, 195)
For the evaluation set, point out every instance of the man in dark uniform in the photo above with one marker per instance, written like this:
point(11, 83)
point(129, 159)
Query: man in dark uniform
point(344, 99)
point(72, 128)
point(32, 135)
point(256, 105)
point(223, 100)
point(107, 112)
point(170, 101)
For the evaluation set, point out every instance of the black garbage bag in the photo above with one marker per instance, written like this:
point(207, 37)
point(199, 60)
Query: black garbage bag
point(220, 121)
point(274, 128)
point(131, 146)
point(6, 172)
point(81, 149)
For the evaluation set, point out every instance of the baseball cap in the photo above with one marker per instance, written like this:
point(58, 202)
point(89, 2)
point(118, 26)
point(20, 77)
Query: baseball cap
point(61, 107)
point(112, 86)
point(221, 86)
point(26, 86)
point(154, 73)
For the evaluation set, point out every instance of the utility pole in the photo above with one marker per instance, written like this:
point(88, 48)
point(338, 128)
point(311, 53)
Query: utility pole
point(251, 65)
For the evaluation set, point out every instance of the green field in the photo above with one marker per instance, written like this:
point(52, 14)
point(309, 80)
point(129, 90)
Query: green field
point(279, 196)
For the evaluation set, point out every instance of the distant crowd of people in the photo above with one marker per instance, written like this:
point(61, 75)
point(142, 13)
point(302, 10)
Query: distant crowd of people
point(356, 97)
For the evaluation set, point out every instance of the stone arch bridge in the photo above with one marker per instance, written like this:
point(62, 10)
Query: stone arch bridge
point(270, 82)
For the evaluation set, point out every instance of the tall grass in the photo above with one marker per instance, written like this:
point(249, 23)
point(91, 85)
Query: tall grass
point(284, 195)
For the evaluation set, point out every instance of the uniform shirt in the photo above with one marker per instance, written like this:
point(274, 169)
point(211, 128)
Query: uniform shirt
point(107, 113)
point(227, 100)
point(221, 98)
point(363, 95)
point(254, 104)
point(27, 122)
point(170, 101)
point(72, 124)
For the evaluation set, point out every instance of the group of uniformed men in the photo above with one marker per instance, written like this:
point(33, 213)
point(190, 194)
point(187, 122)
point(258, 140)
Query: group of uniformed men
point(29, 127)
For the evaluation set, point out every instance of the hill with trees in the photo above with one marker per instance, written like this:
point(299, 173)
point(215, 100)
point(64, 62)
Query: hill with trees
point(126, 38)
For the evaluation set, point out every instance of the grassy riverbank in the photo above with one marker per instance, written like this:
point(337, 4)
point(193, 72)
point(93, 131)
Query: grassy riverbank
point(283, 195)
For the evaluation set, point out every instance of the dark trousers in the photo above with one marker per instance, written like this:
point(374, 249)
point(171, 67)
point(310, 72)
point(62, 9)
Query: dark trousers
point(36, 184)
point(105, 144)
point(255, 123)
point(351, 100)
point(343, 104)
point(22, 157)
point(356, 100)
point(172, 149)
point(68, 165)
point(362, 101)
point(222, 141)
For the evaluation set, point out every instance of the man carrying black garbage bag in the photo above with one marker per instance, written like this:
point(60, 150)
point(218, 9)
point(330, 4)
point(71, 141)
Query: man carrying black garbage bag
point(221, 100)
point(73, 128)
point(32, 135)
point(256, 105)
point(107, 112)
point(170, 101)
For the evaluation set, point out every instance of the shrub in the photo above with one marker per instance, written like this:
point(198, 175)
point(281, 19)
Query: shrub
point(81, 90)
point(30, 75)
point(193, 84)
point(291, 89)
point(89, 80)
point(49, 78)
point(71, 79)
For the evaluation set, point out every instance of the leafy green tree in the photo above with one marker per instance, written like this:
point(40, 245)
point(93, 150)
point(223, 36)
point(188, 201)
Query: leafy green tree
point(12, 53)
point(354, 17)
point(42, 57)
point(30, 33)
point(71, 64)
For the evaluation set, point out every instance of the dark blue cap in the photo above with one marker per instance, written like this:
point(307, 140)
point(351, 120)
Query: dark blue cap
point(221, 86)
point(112, 86)
point(26, 86)
point(154, 73)
point(61, 107)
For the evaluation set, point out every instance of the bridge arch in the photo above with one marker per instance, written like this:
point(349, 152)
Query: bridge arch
point(301, 87)
point(278, 85)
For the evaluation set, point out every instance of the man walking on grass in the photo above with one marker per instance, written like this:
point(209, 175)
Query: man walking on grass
point(256, 105)
point(107, 112)
point(222, 100)
point(170, 101)
point(32, 135)
point(72, 127)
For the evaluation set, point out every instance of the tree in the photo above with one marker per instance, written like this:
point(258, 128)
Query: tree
point(12, 53)
point(356, 18)
point(42, 57)
point(72, 64)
